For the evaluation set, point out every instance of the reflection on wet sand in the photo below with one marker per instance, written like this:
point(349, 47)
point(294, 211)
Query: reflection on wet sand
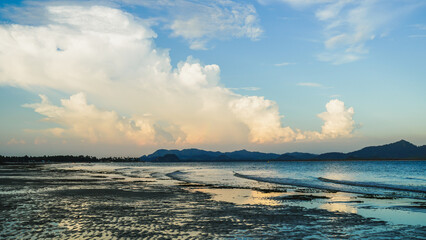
point(228, 188)
point(336, 202)
point(140, 202)
point(339, 202)
point(242, 196)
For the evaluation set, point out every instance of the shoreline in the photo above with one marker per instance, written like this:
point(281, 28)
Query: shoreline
point(54, 201)
point(216, 161)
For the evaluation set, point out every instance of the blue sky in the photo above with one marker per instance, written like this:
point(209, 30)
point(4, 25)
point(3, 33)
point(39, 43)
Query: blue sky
point(128, 77)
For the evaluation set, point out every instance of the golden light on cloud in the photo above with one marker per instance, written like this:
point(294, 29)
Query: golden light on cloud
point(124, 90)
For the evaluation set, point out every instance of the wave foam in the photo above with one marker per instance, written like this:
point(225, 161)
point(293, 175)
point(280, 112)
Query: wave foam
point(417, 189)
point(343, 186)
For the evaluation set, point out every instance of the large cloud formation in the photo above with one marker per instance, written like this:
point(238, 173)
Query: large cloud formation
point(107, 57)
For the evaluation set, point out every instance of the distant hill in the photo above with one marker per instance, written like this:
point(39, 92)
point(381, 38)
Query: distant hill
point(202, 155)
point(185, 154)
point(246, 155)
point(331, 156)
point(397, 150)
point(297, 156)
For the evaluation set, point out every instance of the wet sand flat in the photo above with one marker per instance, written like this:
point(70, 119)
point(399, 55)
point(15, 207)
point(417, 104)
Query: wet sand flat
point(47, 202)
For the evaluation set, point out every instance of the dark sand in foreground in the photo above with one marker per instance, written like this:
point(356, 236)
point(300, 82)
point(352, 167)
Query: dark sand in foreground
point(44, 202)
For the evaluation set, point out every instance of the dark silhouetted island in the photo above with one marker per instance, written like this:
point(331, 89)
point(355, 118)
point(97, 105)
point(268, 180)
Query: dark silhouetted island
point(401, 150)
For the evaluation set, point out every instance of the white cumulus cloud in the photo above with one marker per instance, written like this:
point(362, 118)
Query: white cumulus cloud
point(124, 90)
point(262, 118)
point(78, 119)
point(337, 119)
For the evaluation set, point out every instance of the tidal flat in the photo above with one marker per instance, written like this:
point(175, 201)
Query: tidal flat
point(83, 201)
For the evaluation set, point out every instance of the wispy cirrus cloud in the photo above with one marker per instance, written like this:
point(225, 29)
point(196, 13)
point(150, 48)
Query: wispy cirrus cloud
point(199, 22)
point(417, 36)
point(296, 3)
point(309, 84)
point(350, 24)
point(420, 31)
point(420, 26)
point(282, 64)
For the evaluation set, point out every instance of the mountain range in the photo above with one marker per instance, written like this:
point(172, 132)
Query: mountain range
point(401, 150)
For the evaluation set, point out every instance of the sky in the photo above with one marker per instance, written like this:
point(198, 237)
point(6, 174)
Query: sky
point(127, 77)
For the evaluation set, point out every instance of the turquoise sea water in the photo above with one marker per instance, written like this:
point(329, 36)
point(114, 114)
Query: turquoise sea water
point(392, 191)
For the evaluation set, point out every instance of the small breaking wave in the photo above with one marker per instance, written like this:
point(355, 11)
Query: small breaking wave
point(293, 182)
point(177, 175)
point(416, 189)
point(344, 186)
point(416, 178)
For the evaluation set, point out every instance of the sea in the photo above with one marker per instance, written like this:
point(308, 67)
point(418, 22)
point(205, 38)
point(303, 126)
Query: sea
point(391, 191)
